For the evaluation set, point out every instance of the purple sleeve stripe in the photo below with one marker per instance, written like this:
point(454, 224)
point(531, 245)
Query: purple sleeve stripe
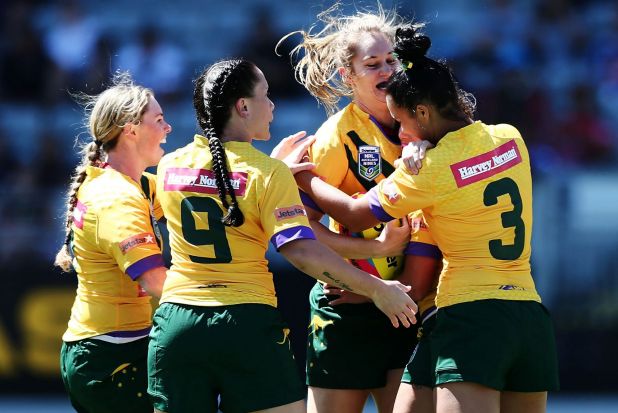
point(424, 250)
point(138, 268)
point(128, 334)
point(376, 207)
point(308, 201)
point(291, 234)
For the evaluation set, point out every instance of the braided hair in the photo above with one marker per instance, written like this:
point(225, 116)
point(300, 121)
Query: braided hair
point(106, 114)
point(424, 80)
point(216, 91)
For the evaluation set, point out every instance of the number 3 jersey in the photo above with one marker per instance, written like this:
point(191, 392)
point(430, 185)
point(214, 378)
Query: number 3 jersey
point(475, 191)
point(213, 264)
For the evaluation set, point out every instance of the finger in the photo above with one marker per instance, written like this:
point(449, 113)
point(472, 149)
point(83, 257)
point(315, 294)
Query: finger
point(298, 136)
point(397, 162)
point(403, 318)
point(336, 301)
point(394, 321)
point(305, 166)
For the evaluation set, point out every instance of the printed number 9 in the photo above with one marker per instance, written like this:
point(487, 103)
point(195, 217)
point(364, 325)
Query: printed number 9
point(510, 219)
point(214, 235)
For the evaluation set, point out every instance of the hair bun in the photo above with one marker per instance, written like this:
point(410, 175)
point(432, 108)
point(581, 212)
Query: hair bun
point(410, 45)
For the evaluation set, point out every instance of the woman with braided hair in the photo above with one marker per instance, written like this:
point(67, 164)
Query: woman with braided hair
point(218, 340)
point(113, 244)
point(492, 346)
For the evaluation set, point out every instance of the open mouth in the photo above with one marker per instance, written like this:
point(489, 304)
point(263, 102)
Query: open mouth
point(382, 85)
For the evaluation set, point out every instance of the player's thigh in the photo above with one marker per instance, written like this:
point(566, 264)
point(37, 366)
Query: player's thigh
point(384, 397)
point(414, 398)
point(295, 407)
point(466, 397)
point(322, 400)
point(529, 402)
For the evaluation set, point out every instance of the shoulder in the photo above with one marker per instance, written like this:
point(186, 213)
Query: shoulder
point(504, 130)
point(332, 125)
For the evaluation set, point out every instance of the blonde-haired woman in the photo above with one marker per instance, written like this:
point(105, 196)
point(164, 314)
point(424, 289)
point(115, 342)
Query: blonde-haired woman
point(113, 244)
point(353, 351)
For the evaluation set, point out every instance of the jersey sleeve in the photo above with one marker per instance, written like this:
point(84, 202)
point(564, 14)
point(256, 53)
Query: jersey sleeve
point(124, 231)
point(421, 241)
point(402, 193)
point(282, 213)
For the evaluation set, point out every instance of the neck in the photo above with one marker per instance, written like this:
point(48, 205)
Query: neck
point(381, 114)
point(126, 165)
point(452, 126)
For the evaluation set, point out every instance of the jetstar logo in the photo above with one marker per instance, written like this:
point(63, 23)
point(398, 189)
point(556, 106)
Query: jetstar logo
point(201, 180)
point(289, 212)
point(485, 165)
point(137, 240)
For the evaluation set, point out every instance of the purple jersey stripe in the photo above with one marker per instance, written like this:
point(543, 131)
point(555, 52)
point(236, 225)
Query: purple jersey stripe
point(391, 134)
point(291, 234)
point(127, 334)
point(422, 249)
point(308, 201)
point(138, 268)
point(376, 207)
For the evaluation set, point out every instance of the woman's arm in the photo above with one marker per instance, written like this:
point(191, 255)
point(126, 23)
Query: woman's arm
point(320, 262)
point(354, 213)
point(152, 281)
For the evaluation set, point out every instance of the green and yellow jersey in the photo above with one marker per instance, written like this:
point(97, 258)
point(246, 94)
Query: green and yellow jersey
point(353, 152)
point(215, 265)
point(475, 191)
point(113, 243)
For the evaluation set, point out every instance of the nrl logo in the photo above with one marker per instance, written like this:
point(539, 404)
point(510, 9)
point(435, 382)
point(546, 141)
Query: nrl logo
point(369, 162)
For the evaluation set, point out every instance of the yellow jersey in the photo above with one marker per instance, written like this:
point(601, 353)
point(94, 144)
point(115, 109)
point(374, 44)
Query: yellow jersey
point(475, 191)
point(212, 264)
point(422, 244)
point(113, 243)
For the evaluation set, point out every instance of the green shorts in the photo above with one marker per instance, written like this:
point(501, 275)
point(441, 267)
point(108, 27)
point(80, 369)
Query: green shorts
point(419, 369)
point(353, 346)
point(240, 353)
point(104, 377)
point(502, 344)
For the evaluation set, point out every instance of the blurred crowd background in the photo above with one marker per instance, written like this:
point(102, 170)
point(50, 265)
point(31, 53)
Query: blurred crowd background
point(549, 67)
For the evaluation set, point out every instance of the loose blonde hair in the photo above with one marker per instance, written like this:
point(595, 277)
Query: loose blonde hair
point(333, 47)
point(123, 103)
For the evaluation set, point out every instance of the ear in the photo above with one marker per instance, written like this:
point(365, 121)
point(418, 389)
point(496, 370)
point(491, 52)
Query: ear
point(129, 129)
point(346, 75)
point(422, 112)
point(242, 107)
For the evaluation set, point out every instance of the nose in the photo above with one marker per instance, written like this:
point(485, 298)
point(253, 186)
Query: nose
point(168, 128)
point(272, 105)
point(386, 70)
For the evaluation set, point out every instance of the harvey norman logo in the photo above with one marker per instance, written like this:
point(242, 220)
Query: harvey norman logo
point(485, 165)
point(201, 180)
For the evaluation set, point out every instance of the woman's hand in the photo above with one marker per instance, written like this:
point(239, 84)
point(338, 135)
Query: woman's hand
point(293, 151)
point(394, 238)
point(345, 297)
point(413, 154)
point(393, 300)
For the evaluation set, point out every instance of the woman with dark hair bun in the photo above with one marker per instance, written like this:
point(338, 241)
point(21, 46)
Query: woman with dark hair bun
point(493, 346)
point(218, 340)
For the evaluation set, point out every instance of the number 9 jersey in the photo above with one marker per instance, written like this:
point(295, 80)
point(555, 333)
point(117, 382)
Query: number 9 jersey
point(475, 191)
point(212, 264)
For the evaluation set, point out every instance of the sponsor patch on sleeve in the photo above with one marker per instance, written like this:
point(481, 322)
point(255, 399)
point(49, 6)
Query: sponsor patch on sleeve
point(418, 224)
point(290, 212)
point(137, 240)
point(487, 164)
point(201, 180)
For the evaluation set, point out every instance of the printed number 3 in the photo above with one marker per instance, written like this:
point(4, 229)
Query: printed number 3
point(510, 219)
point(214, 235)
